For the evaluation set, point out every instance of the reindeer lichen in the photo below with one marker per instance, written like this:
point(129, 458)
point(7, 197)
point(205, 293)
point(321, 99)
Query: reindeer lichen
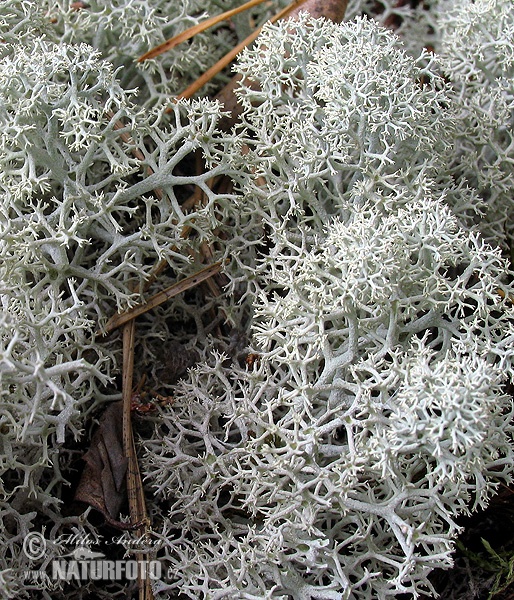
point(326, 445)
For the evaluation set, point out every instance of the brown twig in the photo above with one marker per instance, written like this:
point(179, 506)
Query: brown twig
point(230, 56)
point(192, 31)
point(504, 296)
point(162, 296)
point(136, 497)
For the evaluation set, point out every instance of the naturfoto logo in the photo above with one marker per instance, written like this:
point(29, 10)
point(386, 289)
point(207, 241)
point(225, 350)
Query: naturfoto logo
point(83, 563)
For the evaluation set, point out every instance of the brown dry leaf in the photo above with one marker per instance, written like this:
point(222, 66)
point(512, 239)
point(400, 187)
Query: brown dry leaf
point(102, 484)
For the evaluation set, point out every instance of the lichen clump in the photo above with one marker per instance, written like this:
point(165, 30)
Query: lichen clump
point(335, 466)
point(365, 232)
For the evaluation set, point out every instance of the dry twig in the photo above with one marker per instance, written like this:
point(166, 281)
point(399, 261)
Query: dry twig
point(162, 296)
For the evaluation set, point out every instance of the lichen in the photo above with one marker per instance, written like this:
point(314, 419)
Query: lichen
point(348, 399)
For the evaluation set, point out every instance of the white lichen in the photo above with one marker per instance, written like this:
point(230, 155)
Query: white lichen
point(364, 232)
point(336, 466)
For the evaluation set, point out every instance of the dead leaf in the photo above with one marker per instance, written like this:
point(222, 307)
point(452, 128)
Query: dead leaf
point(102, 484)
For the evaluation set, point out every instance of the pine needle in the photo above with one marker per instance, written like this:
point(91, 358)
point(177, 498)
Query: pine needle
point(192, 31)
